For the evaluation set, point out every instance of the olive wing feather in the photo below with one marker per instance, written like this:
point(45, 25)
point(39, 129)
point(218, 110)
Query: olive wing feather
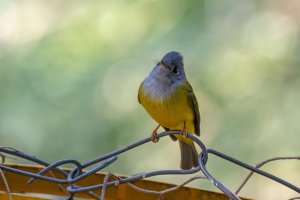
point(194, 104)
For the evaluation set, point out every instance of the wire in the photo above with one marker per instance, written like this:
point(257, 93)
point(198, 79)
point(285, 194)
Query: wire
point(79, 170)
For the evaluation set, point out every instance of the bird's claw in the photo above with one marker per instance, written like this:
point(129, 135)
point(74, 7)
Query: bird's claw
point(154, 137)
point(184, 133)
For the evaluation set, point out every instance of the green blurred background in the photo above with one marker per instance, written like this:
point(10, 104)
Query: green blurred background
point(70, 71)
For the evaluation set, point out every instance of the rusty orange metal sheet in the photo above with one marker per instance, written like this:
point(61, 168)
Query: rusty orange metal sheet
point(4, 196)
point(18, 184)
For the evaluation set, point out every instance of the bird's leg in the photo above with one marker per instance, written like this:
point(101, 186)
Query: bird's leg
point(154, 137)
point(184, 131)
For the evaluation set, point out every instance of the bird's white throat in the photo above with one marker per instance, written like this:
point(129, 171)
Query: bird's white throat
point(158, 86)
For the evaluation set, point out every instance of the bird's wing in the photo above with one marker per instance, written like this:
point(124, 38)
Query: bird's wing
point(194, 104)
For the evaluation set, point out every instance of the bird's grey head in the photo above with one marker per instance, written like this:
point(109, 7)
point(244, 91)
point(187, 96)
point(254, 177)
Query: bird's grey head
point(165, 76)
point(171, 66)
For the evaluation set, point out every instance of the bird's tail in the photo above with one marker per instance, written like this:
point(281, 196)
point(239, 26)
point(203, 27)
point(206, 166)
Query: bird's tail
point(189, 155)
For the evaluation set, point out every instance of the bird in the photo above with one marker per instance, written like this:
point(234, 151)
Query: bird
point(169, 99)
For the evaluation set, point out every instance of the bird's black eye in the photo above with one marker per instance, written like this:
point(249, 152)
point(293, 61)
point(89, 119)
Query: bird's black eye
point(175, 70)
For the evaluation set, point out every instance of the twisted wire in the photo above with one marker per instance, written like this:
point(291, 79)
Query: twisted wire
point(79, 170)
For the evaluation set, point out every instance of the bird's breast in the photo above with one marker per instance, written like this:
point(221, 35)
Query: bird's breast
point(167, 105)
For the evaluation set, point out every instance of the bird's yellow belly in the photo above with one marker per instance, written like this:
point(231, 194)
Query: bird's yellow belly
point(171, 116)
point(171, 112)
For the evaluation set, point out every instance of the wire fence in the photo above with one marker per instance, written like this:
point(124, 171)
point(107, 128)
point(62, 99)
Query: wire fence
point(81, 171)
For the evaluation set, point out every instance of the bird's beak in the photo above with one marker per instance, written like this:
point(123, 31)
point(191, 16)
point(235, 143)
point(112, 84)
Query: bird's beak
point(163, 65)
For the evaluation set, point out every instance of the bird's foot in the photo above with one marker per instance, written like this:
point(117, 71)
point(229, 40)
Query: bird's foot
point(154, 137)
point(184, 133)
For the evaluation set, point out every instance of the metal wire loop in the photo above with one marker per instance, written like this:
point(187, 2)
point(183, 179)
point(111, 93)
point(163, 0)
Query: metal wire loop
point(79, 170)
